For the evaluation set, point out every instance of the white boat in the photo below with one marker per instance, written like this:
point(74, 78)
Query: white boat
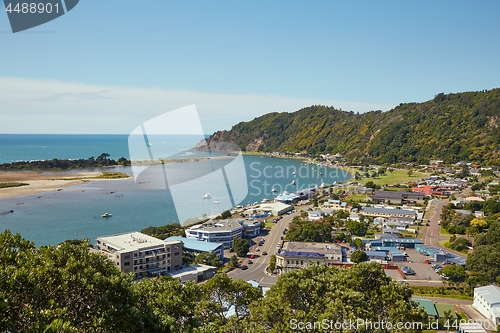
point(293, 173)
point(207, 196)
point(274, 189)
point(322, 185)
point(217, 202)
point(293, 182)
point(107, 215)
point(265, 200)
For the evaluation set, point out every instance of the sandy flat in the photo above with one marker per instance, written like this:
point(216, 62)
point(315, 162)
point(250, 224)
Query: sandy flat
point(41, 182)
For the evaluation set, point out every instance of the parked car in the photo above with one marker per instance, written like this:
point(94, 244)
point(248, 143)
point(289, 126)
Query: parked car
point(257, 250)
point(264, 253)
point(278, 246)
point(407, 270)
point(231, 249)
point(250, 262)
point(252, 257)
point(227, 270)
point(244, 267)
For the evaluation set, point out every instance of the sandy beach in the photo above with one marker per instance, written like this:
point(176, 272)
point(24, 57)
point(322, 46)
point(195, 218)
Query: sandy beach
point(43, 181)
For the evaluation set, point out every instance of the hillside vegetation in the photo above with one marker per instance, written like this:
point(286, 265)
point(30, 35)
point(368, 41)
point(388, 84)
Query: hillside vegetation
point(452, 127)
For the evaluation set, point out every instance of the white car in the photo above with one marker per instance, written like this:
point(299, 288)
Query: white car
point(278, 246)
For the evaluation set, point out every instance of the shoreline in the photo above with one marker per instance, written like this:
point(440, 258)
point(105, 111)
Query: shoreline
point(49, 181)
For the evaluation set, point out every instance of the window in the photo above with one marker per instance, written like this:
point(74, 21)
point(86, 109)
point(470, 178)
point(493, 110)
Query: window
point(126, 264)
point(127, 256)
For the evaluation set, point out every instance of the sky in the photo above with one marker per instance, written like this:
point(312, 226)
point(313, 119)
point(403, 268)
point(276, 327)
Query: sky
point(108, 66)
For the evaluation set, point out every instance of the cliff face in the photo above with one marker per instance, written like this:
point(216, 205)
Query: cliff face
point(453, 127)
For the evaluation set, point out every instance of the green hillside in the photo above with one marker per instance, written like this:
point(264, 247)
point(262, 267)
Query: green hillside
point(453, 127)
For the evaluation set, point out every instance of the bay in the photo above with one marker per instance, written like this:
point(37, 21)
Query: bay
point(75, 213)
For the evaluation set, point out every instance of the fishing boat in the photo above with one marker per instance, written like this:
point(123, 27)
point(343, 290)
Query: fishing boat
point(107, 214)
point(207, 196)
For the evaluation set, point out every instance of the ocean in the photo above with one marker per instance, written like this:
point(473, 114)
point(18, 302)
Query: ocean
point(75, 213)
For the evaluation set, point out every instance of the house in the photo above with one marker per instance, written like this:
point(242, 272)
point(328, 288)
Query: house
point(135, 252)
point(487, 302)
point(336, 204)
point(428, 305)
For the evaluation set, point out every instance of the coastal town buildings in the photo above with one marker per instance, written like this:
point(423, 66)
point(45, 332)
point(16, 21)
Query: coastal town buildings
point(135, 252)
point(487, 302)
point(296, 255)
point(223, 231)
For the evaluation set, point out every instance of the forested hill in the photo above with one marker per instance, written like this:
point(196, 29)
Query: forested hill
point(453, 127)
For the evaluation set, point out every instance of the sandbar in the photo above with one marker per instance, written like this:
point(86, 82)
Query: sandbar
point(43, 181)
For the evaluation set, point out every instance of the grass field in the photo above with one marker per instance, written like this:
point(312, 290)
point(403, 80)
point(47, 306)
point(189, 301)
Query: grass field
point(358, 197)
point(398, 176)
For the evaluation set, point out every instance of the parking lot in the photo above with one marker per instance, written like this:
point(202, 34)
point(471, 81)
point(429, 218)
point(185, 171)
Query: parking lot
point(415, 261)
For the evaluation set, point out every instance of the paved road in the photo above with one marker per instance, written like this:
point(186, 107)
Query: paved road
point(256, 271)
point(432, 235)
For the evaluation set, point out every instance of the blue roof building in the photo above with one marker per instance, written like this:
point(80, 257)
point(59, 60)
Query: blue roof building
point(196, 246)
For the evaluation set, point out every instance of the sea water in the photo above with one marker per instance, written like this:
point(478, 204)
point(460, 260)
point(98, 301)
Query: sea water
point(51, 217)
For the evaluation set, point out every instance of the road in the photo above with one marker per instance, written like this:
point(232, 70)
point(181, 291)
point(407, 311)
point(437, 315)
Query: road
point(256, 271)
point(432, 233)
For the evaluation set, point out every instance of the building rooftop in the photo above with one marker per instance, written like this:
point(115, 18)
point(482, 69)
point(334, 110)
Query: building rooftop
point(218, 225)
point(195, 244)
point(490, 293)
point(428, 306)
point(408, 240)
point(306, 254)
point(394, 211)
point(312, 247)
point(130, 241)
point(195, 268)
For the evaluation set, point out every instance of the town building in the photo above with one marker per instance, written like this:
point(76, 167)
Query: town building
point(195, 272)
point(336, 204)
point(196, 247)
point(487, 302)
point(390, 212)
point(276, 208)
point(135, 252)
point(296, 255)
point(223, 231)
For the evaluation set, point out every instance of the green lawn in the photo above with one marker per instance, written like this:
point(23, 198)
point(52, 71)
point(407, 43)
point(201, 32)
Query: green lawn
point(357, 197)
point(396, 177)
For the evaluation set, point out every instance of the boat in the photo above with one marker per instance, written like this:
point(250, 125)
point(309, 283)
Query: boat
point(217, 202)
point(107, 214)
point(322, 185)
point(207, 196)
point(265, 200)
point(274, 189)
point(293, 182)
point(293, 173)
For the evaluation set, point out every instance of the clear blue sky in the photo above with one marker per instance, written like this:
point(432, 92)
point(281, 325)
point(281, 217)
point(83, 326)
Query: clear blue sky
point(109, 65)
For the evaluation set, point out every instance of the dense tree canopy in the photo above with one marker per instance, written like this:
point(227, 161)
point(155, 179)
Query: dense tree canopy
point(452, 127)
point(305, 231)
point(63, 164)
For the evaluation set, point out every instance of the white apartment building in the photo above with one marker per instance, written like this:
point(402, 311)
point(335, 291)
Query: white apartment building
point(135, 252)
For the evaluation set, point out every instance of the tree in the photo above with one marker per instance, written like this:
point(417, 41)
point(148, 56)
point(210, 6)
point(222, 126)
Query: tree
point(359, 256)
point(272, 263)
point(357, 228)
point(320, 292)
point(224, 215)
point(455, 273)
point(241, 246)
point(305, 231)
point(233, 261)
point(208, 258)
point(410, 172)
point(358, 243)
point(63, 287)
point(221, 293)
